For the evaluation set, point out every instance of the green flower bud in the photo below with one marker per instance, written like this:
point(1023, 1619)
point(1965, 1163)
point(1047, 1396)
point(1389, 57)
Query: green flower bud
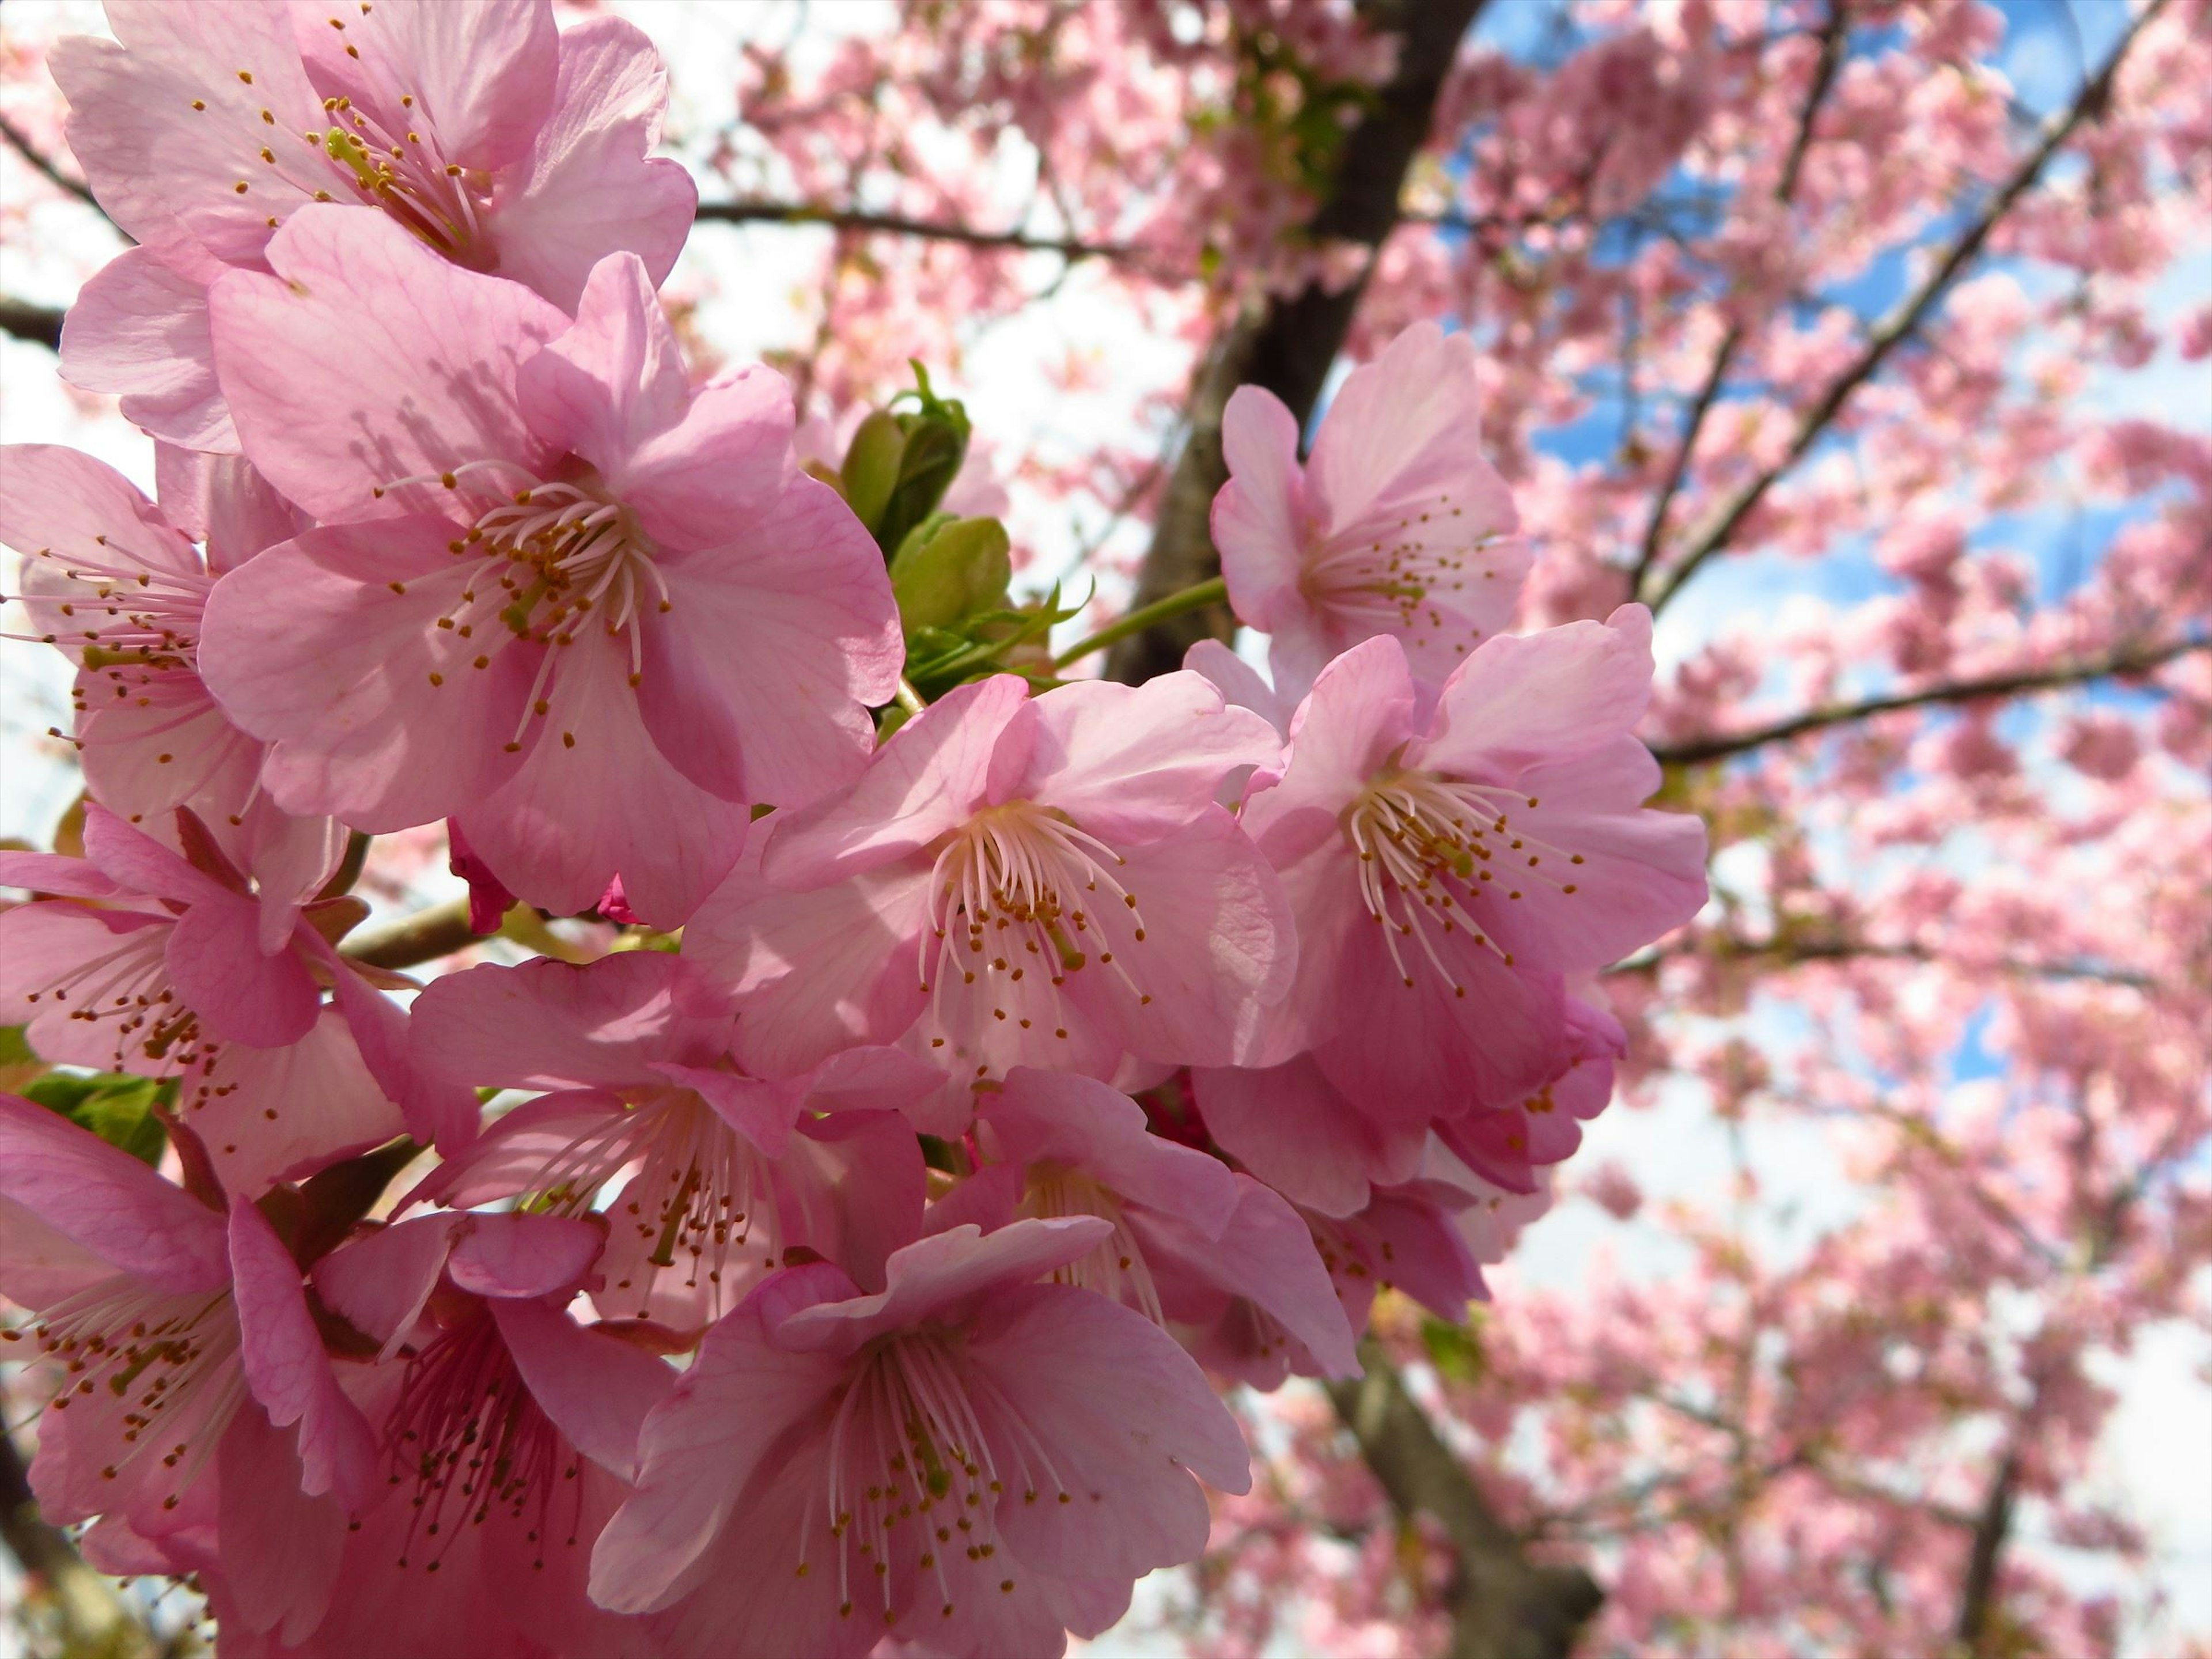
point(871, 471)
point(943, 574)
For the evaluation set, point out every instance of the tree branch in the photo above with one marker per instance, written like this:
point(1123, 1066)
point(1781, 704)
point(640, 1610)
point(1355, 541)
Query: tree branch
point(1835, 34)
point(1288, 346)
point(40, 324)
point(1790, 953)
point(423, 937)
point(38, 159)
point(1910, 313)
point(897, 224)
point(1502, 1605)
point(2114, 664)
point(1978, 1598)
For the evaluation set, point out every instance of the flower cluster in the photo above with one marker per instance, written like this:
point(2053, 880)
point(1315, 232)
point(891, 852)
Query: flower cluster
point(987, 1080)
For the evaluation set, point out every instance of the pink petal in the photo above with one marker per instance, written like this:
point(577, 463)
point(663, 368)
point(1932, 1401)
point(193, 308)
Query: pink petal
point(597, 1388)
point(1258, 517)
point(40, 1264)
point(139, 329)
point(759, 679)
point(61, 501)
point(217, 964)
point(282, 1549)
point(764, 1113)
point(510, 1157)
point(851, 1187)
point(52, 873)
point(1131, 764)
point(1291, 1127)
point(367, 358)
point(595, 799)
point(437, 1111)
point(107, 1201)
point(1405, 427)
point(287, 1368)
point(268, 1115)
point(167, 123)
point(1520, 700)
point(550, 1025)
point(522, 1255)
point(585, 189)
point(139, 863)
point(307, 646)
point(380, 1281)
point(699, 1451)
point(1241, 685)
point(928, 779)
point(1123, 1414)
point(1360, 712)
point(1039, 1116)
point(481, 74)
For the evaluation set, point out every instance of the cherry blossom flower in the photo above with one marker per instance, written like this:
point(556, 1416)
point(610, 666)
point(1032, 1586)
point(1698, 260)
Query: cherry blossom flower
point(115, 582)
point(966, 1459)
point(1015, 881)
point(192, 1387)
point(507, 1434)
point(1446, 874)
point(1397, 524)
point(1189, 1234)
point(146, 963)
point(555, 594)
point(496, 142)
point(725, 1172)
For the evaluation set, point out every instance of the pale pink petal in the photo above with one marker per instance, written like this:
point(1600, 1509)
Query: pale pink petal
point(1125, 1414)
point(139, 329)
point(1259, 516)
point(1241, 685)
point(168, 123)
point(851, 1187)
point(1405, 427)
point(595, 799)
point(139, 863)
point(107, 1201)
point(764, 1113)
point(1043, 1116)
point(778, 639)
point(1636, 875)
point(585, 189)
point(62, 502)
point(511, 1156)
point(1520, 700)
point(379, 1282)
point(1291, 1127)
point(230, 505)
point(522, 1255)
point(287, 1368)
point(40, 1264)
point(46, 947)
point(217, 964)
point(597, 1388)
point(366, 358)
point(1131, 764)
point(374, 712)
point(480, 75)
point(52, 872)
point(925, 781)
point(437, 1110)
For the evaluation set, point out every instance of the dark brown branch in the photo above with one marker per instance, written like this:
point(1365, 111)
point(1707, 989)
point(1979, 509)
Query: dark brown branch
point(897, 224)
point(2115, 665)
point(1720, 529)
point(1502, 1605)
point(1835, 34)
point(1288, 345)
point(45, 166)
point(1791, 953)
point(423, 937)
point(1977, 1598)
point(40, 324)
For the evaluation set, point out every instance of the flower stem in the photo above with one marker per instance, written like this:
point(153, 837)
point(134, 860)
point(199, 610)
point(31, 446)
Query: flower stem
point(1195, 597)
point(908, 698)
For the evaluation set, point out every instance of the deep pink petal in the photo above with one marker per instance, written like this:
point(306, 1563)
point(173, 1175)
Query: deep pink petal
point(1295, 1130)
point(287, 1368)
point(366, 358)
point(378, 1282)
point(281, 1546)
point(597, 1388)
point(1043, 1116)
point(1360, 712)
point(438, 1111)
point(550, 1025)
point(1265, 1253)
point(107, 1201)
point(851, 1187)
point(217, 964)
point(522, 1255)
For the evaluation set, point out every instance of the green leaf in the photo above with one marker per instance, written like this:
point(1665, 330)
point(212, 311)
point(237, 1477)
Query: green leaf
point(117, 1108)
point(1455, 1350)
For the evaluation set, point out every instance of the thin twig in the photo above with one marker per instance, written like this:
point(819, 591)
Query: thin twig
point(898, 224)
point(40, 324)
point(423, 937)
point(1906, 319)
point(2115, 665)
point(44, 163)
point(1792, 953)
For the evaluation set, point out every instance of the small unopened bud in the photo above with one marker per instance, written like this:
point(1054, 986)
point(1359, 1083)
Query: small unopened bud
point(941, 576)
point(871, 471)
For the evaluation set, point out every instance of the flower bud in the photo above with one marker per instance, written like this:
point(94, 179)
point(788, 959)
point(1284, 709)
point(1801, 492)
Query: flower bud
point(942, 574)
point(871, 471)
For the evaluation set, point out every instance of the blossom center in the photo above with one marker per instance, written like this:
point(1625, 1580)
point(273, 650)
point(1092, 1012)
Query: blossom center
point(169, 1362)
point(1022, 893)
point(397, 167)
point(1434, 850)
point(1116, 1267)
point(1382, 573)
point(922, 1450)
